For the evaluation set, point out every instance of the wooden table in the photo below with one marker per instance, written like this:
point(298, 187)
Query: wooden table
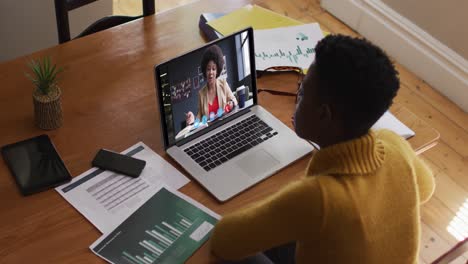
point(109, 101)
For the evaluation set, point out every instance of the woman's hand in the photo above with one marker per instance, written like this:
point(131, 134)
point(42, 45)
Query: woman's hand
point(189, 118)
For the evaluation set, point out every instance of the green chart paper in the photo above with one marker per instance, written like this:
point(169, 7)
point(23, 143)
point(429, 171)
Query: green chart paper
point(166, 229)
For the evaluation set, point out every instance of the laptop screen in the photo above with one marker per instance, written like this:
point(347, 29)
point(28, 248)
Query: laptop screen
point(206, 87)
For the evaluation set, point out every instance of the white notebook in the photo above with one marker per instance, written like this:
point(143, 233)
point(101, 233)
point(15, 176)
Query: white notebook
point(389, 121)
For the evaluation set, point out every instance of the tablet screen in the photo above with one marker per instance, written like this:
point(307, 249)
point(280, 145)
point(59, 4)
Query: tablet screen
point(35, 164)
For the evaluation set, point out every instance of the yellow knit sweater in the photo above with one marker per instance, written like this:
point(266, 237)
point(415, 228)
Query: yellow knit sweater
point(359, 203)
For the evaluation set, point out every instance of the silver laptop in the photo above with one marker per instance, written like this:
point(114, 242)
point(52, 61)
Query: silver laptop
point(231, 143)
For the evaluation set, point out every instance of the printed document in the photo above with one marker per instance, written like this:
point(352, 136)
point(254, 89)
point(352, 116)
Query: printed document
point(286, 46)
point(168, 228)
point(253, 16)
point(106, 198)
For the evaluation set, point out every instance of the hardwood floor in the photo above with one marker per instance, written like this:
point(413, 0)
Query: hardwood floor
point(448, 160)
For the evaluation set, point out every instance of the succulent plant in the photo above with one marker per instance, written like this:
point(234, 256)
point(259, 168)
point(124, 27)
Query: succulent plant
point(44, 74)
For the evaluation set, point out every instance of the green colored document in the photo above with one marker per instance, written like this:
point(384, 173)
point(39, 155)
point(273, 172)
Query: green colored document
point(168, 228)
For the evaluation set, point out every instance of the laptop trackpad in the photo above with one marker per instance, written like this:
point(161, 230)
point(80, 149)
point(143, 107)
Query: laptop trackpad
point(255, 164)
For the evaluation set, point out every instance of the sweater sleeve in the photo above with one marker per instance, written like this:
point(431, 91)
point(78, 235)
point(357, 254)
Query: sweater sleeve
point(286, 216)
point(424, 179)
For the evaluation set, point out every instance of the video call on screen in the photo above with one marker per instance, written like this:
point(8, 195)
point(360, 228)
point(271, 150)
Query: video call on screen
point(182, 82)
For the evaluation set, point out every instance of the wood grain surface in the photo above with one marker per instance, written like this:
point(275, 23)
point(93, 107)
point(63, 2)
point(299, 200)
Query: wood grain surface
point(109, 101)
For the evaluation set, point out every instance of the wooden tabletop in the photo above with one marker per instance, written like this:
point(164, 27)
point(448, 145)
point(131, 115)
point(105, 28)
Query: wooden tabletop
point(109, 101)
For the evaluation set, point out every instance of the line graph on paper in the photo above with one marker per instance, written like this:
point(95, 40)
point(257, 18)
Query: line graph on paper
point(287, 46)
point(292, 56)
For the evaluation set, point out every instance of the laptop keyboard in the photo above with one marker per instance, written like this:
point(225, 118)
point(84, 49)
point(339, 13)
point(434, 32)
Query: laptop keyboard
point(230, 142)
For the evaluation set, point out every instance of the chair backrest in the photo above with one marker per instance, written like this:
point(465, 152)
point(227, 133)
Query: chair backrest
point(62, 7)
point(455, 252)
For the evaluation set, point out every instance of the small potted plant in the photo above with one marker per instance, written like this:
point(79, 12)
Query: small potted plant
point(46, 95)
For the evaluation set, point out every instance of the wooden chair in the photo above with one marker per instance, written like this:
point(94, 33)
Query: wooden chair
point(455, 252)
point(62, 7)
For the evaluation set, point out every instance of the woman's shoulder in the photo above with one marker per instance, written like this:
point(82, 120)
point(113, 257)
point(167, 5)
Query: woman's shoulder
point(222, 83)
point(391, 138)
point(203, 89)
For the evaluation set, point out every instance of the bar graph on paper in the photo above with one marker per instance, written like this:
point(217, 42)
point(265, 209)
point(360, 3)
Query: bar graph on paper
point(166, 229)
point(162, 236)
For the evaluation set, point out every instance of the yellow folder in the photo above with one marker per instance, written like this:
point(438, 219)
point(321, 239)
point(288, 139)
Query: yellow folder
point(251, 15)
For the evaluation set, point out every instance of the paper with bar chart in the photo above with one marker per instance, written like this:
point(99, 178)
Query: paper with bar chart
point(286, 46)
point(168, 228)
point(107, 198)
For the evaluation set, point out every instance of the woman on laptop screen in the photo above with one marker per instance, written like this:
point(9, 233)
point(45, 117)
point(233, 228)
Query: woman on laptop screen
point(216, 97)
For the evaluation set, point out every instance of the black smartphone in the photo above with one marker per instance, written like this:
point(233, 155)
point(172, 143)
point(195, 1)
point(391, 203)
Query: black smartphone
point(120, 163)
